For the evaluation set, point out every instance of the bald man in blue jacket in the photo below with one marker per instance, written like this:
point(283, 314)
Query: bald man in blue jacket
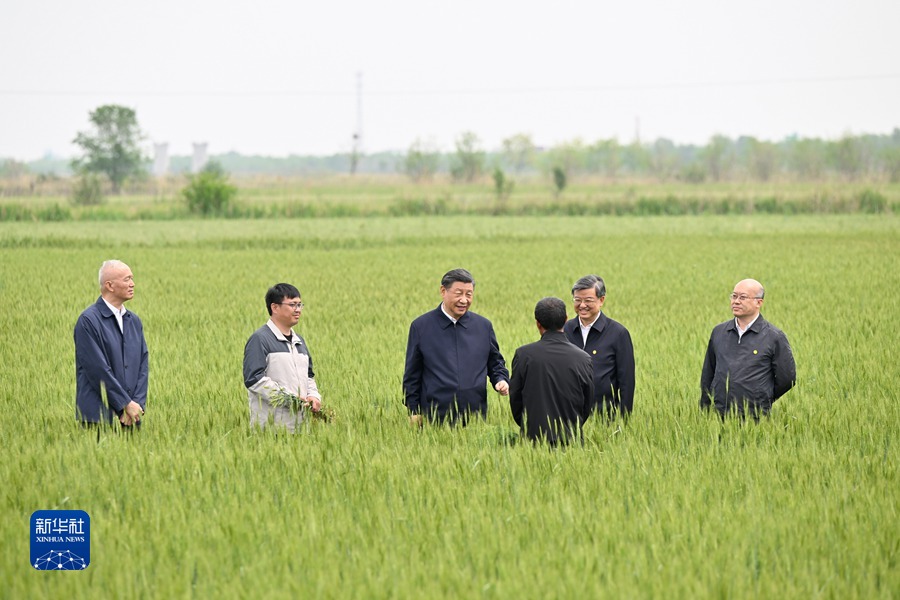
point(111, 353)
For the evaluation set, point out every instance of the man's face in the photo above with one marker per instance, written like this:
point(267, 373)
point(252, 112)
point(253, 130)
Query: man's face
point(587, 304)
point(287, 312)
point(457, 298)
point(744, 303)
point(120, 284)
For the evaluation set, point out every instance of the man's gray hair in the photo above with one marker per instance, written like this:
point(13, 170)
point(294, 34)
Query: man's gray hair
point(107, 266)
point(590, 282)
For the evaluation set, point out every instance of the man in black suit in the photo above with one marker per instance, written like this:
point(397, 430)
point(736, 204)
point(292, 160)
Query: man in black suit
point(552, 384)
point(609, 345)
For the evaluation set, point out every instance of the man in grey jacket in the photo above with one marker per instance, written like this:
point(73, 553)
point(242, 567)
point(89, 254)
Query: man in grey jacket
point(749, 364)
point(278, 369)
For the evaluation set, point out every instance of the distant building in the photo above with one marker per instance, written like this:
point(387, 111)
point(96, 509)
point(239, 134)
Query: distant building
point(160, 160)
point(200, 158)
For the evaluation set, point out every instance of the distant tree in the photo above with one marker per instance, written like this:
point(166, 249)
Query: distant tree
point(694, 172)
point(718, 157)
point(208, 192)
point(518, 152)
point(664, 159)
point(890, 157)
point(636, 159)
point(421, 161)
point(559, 180)
point(806, 157)
point(503, 187)
point(762, 158)
point(468, 162)
point(847, 156)
point(604, 156)
point(111, 147)
point(12, 169)
point(569, 156)
point(88, 190)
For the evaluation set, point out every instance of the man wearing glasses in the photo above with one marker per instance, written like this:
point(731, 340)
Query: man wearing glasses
point(609, 345)
point(278, 369)
point(749, 364)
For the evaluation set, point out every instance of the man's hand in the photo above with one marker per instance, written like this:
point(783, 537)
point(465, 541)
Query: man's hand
point(131, 414)
point(416, 420)
point(314, 403)
point(502, 387)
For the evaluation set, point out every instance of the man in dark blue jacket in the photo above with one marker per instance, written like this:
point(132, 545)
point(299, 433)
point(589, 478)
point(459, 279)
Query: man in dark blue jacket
point(749, 364)
point(111, 353)
point(450, 353)
point(609, 345)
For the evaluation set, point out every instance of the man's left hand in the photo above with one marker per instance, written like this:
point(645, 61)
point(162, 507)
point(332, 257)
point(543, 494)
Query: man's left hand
point(314, 403)
point(502, 387)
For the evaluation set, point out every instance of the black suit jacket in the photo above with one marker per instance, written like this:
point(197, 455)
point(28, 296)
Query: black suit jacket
point(612, 355)
point(551, 388)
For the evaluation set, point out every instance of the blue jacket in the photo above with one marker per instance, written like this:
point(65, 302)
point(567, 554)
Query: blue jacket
point(105, 354)
point(447, 364)
point(612, 357)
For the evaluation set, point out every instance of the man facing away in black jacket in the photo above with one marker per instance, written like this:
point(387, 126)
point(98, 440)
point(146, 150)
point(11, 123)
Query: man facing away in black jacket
point(552, 384)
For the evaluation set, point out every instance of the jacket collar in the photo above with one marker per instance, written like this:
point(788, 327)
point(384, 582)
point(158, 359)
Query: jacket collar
point(755, 328)
point(280, 336)
point(554, 336)
point(445, 320)
point(106, 311)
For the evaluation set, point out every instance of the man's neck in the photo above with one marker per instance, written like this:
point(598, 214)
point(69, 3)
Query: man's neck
point(588, 324)
point(113, 302)
point(284, 329)
point(745, 322)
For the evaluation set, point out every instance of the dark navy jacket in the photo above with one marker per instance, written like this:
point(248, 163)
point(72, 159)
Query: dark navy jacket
point(447, 364)
point(612, 357)
point(756, 370)
point(119, 360)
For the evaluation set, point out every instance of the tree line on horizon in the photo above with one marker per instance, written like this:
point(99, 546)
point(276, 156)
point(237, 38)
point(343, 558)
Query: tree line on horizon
point(850, 158)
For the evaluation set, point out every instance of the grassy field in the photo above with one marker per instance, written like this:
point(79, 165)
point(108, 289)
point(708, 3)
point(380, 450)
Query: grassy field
point(395, 195)
point(676, 504)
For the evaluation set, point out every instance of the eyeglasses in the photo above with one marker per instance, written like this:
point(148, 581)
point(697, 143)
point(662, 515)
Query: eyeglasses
point(293, 305)
point(585, 301)
point(744, 297)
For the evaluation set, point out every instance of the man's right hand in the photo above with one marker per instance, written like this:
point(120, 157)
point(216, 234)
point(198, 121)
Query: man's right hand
point(132, 414)
point(416, 420)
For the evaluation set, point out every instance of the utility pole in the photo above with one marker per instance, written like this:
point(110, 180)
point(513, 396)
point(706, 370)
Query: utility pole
point(357, 135)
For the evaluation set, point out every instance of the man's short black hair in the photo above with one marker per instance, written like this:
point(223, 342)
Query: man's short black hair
point(550, 313)
point(460, 275)
point(277, 294)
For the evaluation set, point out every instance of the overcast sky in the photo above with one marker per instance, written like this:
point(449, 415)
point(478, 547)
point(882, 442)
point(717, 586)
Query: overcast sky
point(279, 77)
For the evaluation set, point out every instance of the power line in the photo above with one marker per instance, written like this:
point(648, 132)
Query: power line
point(451, 91)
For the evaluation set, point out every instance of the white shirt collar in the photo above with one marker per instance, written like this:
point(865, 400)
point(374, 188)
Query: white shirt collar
point(740, 331)
point(585, 329)
point(118, 313)
point(448, 315)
